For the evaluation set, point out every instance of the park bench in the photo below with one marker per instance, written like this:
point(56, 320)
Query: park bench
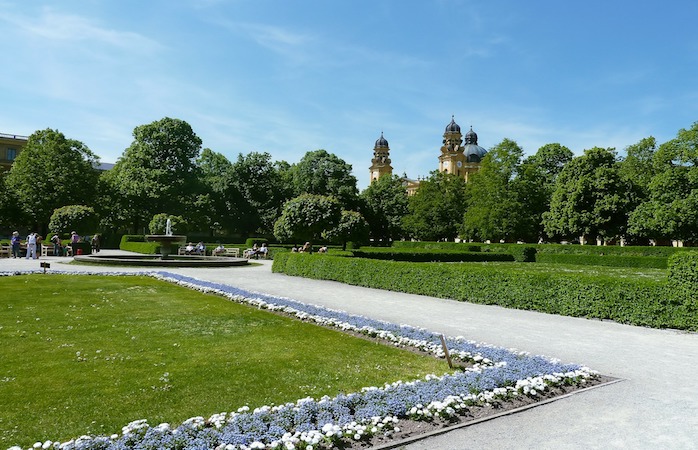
point(5, 251)
point(228, 251)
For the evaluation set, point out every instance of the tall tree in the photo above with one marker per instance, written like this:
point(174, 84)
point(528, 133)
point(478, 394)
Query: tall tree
point(670, 210)
point(323, 173)
point(50, 172)
point(226, 205)
point(534, 184)
point(591, 198)
point(157, 173)
point(436, 210)
point(493, 208)
point(384, 204)
point(638, 164)
point(261, 186)
point(307, 217)
point(352, 227)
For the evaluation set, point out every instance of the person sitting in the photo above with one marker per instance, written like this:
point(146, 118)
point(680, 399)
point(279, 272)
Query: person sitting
point(263, 251)
point(307, 248)
point(200, 249)
point(294, 249)
point(322, 249)
point(219, 250)
point(189, 249)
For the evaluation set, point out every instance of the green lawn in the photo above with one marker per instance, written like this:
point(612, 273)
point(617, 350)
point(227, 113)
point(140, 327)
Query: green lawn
point(88, 354)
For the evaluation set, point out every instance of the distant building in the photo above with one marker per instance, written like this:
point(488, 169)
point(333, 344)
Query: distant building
point(10, 147)
point(459, 156)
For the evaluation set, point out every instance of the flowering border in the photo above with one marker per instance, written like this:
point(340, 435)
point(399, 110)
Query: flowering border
point(494, 374)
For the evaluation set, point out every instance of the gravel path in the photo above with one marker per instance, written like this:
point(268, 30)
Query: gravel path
point(655, 407)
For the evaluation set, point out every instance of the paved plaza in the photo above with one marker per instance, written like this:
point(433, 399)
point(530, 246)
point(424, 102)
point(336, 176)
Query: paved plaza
point(654, 407)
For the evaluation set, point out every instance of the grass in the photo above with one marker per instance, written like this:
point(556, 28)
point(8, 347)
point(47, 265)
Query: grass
point(88, 354)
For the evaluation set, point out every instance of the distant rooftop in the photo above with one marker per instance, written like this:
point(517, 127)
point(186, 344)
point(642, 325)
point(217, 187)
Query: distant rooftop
point(14, 136)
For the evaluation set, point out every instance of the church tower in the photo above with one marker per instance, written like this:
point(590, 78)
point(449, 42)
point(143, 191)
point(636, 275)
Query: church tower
point(380, 164)
point(458, 157)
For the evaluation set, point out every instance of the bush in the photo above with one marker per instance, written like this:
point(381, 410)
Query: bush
point(523, 253)
point(249, 243)
point(73, 217)
point(683, 282)
point(136, 243)
point(633, 301)
point(646, 262)
point(425, 255)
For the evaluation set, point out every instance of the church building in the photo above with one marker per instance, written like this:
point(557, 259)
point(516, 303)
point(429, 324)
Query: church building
point(459, 156)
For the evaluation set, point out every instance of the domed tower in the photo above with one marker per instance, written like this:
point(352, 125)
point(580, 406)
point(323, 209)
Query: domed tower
point(473, 154)
point(380, 164)
point(451, 159)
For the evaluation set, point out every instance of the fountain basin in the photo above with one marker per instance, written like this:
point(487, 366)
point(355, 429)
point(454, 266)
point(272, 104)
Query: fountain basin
point(157, 261)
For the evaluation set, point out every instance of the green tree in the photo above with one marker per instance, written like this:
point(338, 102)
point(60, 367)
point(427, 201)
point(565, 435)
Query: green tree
point(79, 218)
point(261, 186)
point(307, 217)
point(323, 173)
point(534, 184)
point(352, 227)
point(158, 224)
point(157, 172)
point(52, 171)
point(638, 164)
point(436, 210)
point(591, 198)
point(670, 210)
point(222, 205)
point(11, 213)
point(384, 204)
point(493, 208)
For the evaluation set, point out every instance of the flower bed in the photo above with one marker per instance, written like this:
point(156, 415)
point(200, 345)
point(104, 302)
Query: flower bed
point(493, 375)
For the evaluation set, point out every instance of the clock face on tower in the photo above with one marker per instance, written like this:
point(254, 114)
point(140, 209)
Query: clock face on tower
point(459, 163)
point(445, 163)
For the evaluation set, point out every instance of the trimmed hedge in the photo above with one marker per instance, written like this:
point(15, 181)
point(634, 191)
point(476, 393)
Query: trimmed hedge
point(632, 301)
point(664, 251)
point(645, 262)
point(136, 243)
point(426, 255)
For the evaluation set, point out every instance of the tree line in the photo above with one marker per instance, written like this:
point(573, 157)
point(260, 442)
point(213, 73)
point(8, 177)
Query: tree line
point(54, 185)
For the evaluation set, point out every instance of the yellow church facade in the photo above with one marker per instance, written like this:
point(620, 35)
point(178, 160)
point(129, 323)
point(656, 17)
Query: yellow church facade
point(460, 155)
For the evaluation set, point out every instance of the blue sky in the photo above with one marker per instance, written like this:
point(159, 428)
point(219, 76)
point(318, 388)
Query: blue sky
point(287, 77)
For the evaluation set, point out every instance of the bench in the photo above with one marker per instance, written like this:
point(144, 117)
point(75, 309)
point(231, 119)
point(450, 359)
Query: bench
point(228, 251)
point(5, 251)
point(182, 251)
point(46, 249)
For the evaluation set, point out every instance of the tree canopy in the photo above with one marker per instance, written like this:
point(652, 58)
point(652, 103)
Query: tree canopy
point(323, 173)
point(52, 171)
point(436, 210)
point(307, 217)
point(384, 204)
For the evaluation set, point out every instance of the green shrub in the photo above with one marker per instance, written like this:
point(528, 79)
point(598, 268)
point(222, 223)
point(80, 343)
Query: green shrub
point(136, 243)
point(683, 281)
point(428, 255)
point(653, 262)
point(634, 301)
point(523, 253)
point(256, 240)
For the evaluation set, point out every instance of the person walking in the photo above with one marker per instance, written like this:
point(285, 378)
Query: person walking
point(15, 241)
point(31, 246)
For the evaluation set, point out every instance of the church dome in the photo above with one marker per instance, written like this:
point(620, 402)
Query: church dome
point(472, 151)
point(381, 142)
point(452, 127)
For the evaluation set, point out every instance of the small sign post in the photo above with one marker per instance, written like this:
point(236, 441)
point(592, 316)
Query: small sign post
point(448, 355)
point(45, 265)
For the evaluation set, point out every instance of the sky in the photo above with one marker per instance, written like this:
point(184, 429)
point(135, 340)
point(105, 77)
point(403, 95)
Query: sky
point(288, 77)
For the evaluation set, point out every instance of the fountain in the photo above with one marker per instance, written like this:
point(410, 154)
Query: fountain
point(166, 257)
point(166, 240)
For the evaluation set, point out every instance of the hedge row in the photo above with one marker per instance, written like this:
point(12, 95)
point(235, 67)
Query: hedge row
point(641, 302)
point(422, 255)
point(664, 251)
point(645, 262)
point(136, 243)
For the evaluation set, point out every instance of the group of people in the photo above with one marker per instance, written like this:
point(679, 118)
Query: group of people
point(34, 240)
point(198, 249)
point(257, 251)
point(307, 248)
